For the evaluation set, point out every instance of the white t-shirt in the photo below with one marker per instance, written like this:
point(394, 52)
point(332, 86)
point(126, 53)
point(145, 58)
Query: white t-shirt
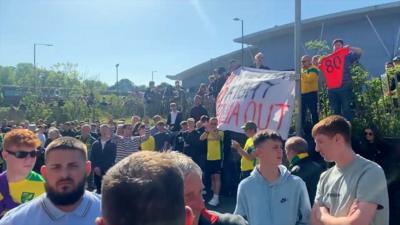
point(103, 144)
point(173, 117)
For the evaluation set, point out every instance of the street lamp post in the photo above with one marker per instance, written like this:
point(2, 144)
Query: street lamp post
point(241, 20)
point(34, 61)
point(152, 74)
point(297, 44)
point(116, 84)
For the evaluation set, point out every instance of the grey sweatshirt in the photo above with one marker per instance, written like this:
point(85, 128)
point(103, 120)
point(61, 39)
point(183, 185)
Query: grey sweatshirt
point(283, 202)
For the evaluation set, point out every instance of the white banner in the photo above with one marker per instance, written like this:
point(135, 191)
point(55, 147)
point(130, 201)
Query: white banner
point(265, 97)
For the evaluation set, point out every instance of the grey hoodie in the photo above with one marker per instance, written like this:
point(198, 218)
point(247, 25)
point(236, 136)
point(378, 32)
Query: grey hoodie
point(283, 202)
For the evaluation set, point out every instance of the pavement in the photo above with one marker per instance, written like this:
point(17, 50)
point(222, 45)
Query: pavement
point(226, 203)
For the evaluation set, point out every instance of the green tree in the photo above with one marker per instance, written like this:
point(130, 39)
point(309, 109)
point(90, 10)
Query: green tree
point(61, 94)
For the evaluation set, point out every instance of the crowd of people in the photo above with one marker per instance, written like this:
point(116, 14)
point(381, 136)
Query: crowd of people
point(158, 98)
point(144, 185)
point(159, 170)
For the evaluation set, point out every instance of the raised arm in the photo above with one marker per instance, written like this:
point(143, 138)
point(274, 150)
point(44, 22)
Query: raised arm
point(242, 152)
point(204, 136)
point(144, 137)
point(356, 50)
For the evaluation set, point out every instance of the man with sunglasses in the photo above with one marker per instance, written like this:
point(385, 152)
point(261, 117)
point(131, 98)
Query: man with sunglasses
point(19, 184)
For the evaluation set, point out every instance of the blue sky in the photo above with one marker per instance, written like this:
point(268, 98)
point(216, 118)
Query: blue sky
point(168, 36)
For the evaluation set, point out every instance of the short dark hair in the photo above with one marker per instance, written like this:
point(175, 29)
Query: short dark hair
point(389, 63)
point(338, 40)
point(144, 188)
point(297, 145)
point(126, 126)
point(142, 126)
point(66, 143)
point(214, 119)
point(204, 118)
point(333, 125)
point(160, 123)
point(265, 135)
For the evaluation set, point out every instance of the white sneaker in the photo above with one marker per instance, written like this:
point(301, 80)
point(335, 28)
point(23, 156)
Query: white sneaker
point(214, 201)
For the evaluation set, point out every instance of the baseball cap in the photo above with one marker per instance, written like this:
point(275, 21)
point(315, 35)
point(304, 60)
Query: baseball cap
point(396, 58)
point(249, 125)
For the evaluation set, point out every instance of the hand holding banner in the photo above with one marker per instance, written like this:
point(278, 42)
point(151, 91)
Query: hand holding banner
point(264, 97)
point(332, 67)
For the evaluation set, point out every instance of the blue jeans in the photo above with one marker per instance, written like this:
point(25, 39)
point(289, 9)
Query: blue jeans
point(341, 100)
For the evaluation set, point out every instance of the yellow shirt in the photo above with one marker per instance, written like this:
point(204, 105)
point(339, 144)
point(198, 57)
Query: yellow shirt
point(29, 188)
point(245, 164)
point(215, 147)
point(149, 144)
point(309, 80)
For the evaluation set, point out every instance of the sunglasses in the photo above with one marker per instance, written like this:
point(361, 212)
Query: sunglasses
point(369, 133)
point(23, 154)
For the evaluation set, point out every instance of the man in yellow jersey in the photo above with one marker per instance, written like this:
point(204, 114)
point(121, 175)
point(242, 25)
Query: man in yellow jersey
point(215, 148)
point(248, 160)
point(19, 184)
point(309, 90)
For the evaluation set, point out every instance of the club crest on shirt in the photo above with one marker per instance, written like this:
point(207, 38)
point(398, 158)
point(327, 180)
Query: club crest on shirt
point(27, 196)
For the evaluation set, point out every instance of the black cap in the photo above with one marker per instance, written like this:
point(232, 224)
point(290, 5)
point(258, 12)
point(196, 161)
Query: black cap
point(249, 125)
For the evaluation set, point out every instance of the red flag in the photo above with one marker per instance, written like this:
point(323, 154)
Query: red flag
point(332, 67)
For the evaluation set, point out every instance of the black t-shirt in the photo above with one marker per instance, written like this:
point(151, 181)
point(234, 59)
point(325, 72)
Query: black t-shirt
point(393, 85)
point(197, 111)
point(69, 133)
point(162, 140)
point(178, 143)
point(191, 143)
point(4, 129)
